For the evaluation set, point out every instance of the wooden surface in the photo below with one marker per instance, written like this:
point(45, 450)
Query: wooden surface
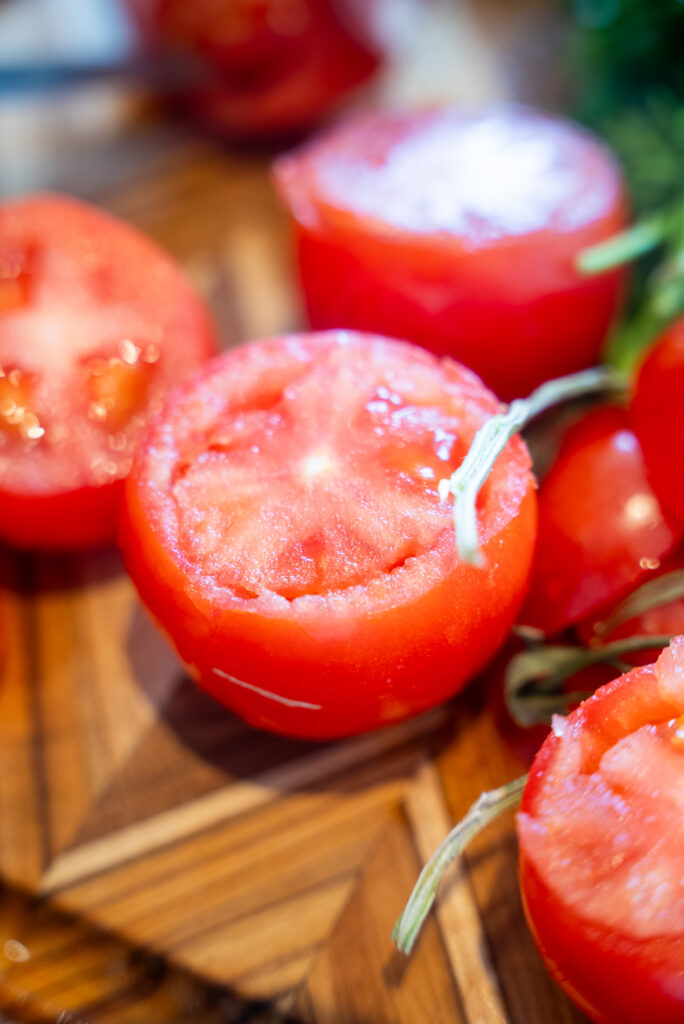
point(161, 862)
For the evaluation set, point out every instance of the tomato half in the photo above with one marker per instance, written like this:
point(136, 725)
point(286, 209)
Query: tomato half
point(283, 524)
point(657, 414)
point(277, 66)
point(602, 848)
point(459, 231)
point(95, 323)
point(601, 527)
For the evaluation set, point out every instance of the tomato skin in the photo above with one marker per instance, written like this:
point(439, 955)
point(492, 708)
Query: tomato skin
point(276, 66)
point(511, 307)
point(75, 259)
point(613, 976)
point(657, 418)
point(362, 656)
point(600, 525)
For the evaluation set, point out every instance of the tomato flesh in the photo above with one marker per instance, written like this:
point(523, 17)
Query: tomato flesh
point(601, 526)
point(95, 324)
point(459, 232)
point(283, 523)
point(602, 841)
point(658, 418)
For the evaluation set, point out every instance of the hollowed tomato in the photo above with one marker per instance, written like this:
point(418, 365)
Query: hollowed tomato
point(459, 231)
point(283, 524)
point(602, 847)
point(95, 323)
point(602, 528)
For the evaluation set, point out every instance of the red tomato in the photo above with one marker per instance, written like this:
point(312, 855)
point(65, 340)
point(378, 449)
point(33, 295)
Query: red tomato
point(459, 231)
point(95, 323)
point(601, 527)
point(282, 522)
point(657, 413)
point(602, 848)
point(279, 65)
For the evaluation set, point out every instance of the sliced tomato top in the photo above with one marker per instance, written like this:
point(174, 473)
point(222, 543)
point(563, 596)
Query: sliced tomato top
point(602, 819)
point(95, 323)
point(306, 466)
point(479, 177)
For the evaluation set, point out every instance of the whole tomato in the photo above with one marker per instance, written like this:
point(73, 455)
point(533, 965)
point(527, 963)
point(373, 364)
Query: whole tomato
point(284, 525)
point(459, 230)
point(602, 847)
point(96, 322)
point(601, 527)
point(657, 415)
point(273, 67)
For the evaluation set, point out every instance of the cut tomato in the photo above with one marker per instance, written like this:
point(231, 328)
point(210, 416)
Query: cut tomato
point(602, 847)
point(283, 524)
point(601, 526)
point(95, 323)
point(460, 231)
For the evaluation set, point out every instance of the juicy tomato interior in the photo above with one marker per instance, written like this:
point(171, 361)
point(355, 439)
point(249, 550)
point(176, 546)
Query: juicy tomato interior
point(601, 835)
point(293, 489)
point(601, 526)
point(658, 417)
point(95, 323)
point(408, 225)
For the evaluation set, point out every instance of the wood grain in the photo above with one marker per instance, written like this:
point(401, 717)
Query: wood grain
point(160, 861)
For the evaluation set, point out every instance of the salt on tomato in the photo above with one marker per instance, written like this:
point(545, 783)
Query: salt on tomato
point(95, 323)
point(459, 231)
point(657, 414)
point(283, 524)
point(601, 526)
point(274, 67)
point(602, 847)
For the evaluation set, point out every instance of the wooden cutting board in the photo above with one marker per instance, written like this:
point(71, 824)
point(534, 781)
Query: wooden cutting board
point(160, 861)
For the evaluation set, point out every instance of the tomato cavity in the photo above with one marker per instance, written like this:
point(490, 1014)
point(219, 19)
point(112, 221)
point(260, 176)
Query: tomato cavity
point(605, 824)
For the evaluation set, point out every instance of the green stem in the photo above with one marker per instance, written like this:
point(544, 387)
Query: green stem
point(492, 437)
point(625, 247)
point(487, 807)
point(656, 593)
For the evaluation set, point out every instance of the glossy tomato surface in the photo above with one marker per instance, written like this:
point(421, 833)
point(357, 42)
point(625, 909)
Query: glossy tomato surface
point(283, 524)
point(274, 67)
point(601, 526)
point(602, 847)
point(657, 413)
point(459, 231)
point(95, 323)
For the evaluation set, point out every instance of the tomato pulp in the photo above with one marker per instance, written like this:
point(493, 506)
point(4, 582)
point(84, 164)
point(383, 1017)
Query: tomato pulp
point(459, 231)
point(601, 526)
point(658, 415)
point(276, 66)
point(602, 847)
point(95, 323)
point(283, 524)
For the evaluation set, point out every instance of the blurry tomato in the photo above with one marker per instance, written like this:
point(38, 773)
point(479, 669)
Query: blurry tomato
point(601, 527)
point(459, 231)
point(95, 323)
point(277, 66)
point(657, 413)
point(283, 524)
point(602, 848)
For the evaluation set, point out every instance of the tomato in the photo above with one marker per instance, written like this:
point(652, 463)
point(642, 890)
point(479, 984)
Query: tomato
point(602, 847)
point(657, 415)
point(663, 620)
point(283, 524)
point(95, 323)
point(459, 231)
point(601, 527)
point(275, 66)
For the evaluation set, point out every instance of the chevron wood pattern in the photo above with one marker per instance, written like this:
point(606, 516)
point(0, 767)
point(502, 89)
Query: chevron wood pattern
point(160, 861)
